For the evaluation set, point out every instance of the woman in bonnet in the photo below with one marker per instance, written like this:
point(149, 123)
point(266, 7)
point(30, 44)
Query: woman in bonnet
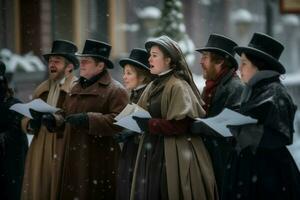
point(171, 163)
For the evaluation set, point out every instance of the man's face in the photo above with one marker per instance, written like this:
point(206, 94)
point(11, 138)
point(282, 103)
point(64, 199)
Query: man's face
point(89, 67)
point(209, 68)
point(57, 67)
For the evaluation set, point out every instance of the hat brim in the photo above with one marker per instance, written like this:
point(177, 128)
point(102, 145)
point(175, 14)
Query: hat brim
point(151, 43)
point(125, 61)
point(217, 50)
point(104, 59)
point(277, 66)
point(72, 58)
point(159, 43)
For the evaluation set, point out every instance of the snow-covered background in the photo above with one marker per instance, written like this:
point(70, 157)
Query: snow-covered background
point(128, 24)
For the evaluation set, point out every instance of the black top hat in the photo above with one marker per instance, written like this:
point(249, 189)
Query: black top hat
point(65, 49)
point(266, 48)
point(101, 50)
point(138, 58)
point(221, 44)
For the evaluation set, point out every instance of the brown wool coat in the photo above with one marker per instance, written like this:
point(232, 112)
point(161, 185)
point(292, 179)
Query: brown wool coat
point(188, 165)
point(92, 153)
point(43, 167)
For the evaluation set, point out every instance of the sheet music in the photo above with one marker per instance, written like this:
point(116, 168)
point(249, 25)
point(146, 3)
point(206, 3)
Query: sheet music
point(125, 120)
point(227, 117)
point(36, 104)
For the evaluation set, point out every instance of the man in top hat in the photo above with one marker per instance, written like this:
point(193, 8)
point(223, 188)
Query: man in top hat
point(91, 156)
point(222, 89)
point(44, 158)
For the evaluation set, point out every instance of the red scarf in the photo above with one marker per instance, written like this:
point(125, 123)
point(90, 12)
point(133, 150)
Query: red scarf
point(210, 88)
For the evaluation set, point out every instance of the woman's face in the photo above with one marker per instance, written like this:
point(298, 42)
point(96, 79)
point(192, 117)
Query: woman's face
point(158, 62)
point(247, 69)
point(131, 78)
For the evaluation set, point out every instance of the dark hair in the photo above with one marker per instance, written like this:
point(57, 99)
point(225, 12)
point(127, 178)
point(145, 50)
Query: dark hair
point(260, 63)
point(217, 58)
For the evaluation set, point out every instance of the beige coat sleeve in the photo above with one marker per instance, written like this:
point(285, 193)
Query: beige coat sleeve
point(179, 101)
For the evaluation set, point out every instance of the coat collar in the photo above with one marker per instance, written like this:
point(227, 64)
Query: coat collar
point(227, 77)
point(259, 77)
point(65, 85)
point(262, 75)
point(103, 78)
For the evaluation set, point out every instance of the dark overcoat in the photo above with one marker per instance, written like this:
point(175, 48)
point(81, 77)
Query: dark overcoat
point(128, 157)
point(92, 154)
point(266, 170)
point(227, 95)
point(13, 148)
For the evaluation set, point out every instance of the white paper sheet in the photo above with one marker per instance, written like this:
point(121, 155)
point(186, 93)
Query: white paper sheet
point(36, 104)
point(125, 120)
point(227, 117)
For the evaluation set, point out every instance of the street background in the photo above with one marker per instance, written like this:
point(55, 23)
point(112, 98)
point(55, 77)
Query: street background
point(28, 28)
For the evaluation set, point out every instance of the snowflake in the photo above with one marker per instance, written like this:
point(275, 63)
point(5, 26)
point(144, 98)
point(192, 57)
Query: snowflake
point(254, 178)
point(148, 146)
point(187, 154)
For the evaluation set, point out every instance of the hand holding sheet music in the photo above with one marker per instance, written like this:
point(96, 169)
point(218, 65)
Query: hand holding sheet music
point(227, 118)
point(125, 118)
point(37, 105)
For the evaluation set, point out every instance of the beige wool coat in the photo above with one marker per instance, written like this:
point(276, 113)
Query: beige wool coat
point(43, 167)
point(188, 165)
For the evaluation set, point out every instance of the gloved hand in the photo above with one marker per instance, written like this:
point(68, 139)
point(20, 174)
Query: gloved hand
point(124, 136)
point(200, 128)
point(35, 123)
point(48, 120)
point(234, 130)
point(247, 135)
point(78, 119)
point(197, 127)
point(142, 123)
